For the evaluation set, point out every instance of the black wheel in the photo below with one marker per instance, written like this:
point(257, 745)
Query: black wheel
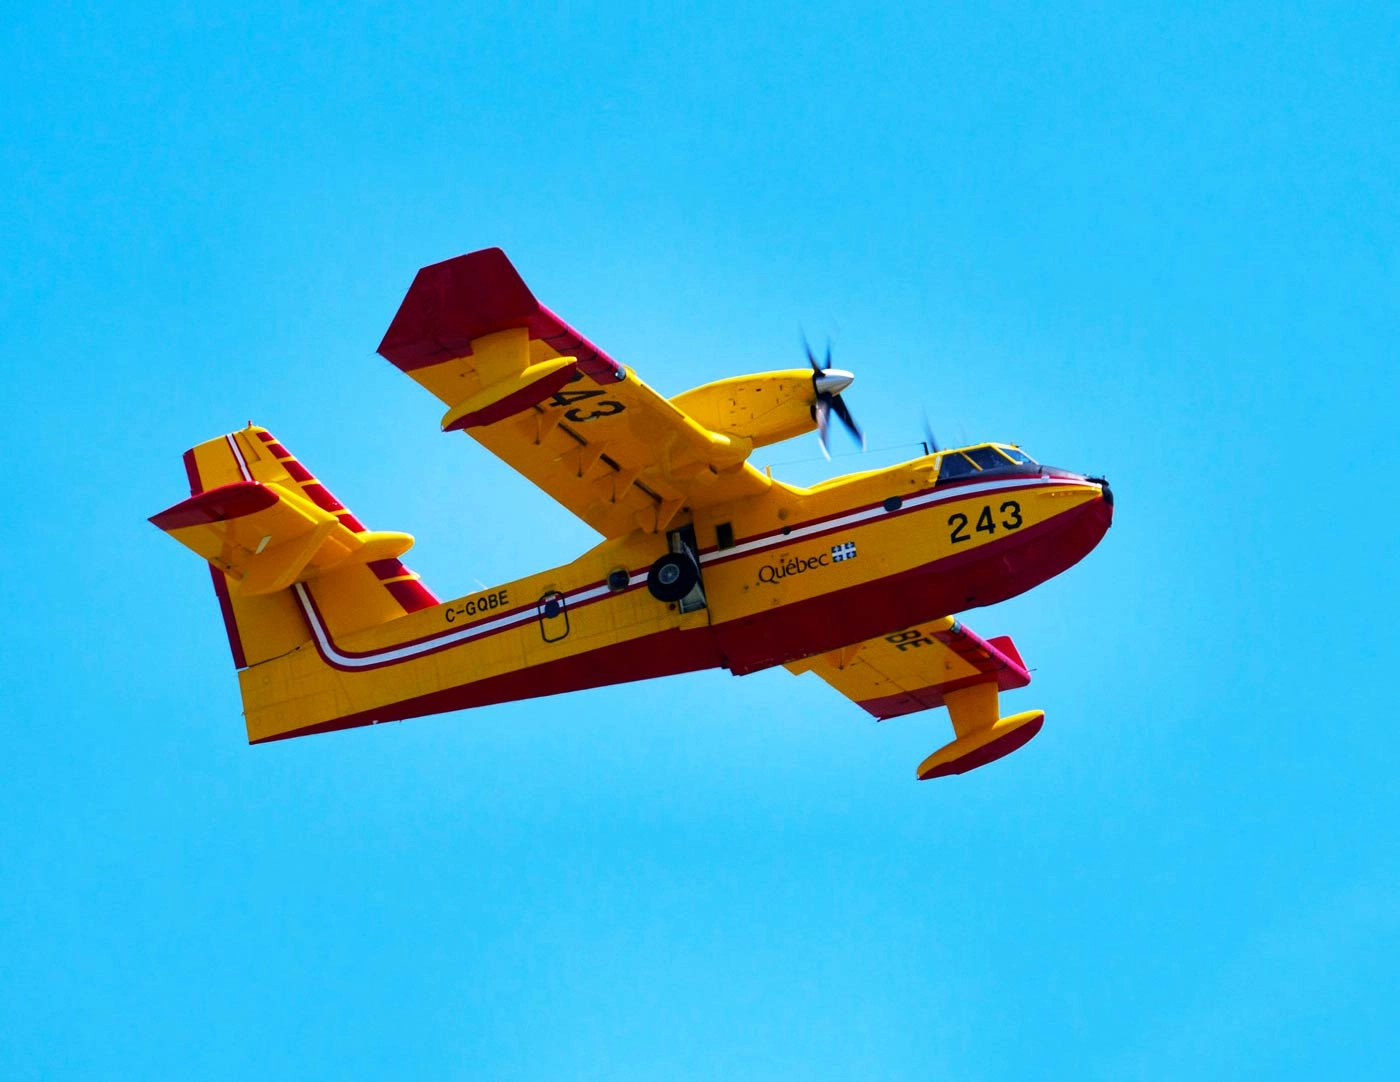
point(672, 577)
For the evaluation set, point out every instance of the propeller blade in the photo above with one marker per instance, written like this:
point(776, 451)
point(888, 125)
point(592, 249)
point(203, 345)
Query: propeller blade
point(848, 420)
point(827, 385)
point(933, 447)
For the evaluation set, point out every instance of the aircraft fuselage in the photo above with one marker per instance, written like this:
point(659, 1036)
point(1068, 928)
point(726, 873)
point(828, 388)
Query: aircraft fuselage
point(783, 575)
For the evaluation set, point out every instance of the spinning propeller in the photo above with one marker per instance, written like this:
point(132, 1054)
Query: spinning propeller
point(930, 443)
point(828, 383)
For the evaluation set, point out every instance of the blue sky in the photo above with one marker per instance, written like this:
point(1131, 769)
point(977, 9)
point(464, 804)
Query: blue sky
point(1162, 245)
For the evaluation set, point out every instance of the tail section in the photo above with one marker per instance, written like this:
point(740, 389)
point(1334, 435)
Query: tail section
point(265, 523)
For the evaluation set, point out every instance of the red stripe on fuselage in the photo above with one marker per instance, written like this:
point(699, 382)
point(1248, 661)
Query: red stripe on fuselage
point(803, 628)
point(983, 576)
point(813, 529)
point(795, 630)
point(455, 634)
point(663, 653)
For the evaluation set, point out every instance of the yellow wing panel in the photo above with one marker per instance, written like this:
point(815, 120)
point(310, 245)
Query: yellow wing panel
point(921, 668)
point(600, 441)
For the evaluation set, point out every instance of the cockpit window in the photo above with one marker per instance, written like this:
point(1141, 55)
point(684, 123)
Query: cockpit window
point(989, 458)
point(1017, 456)
point(954, 465)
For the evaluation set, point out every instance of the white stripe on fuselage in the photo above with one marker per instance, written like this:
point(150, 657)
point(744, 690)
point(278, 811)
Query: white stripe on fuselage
point(856, 517)
point(390, 654)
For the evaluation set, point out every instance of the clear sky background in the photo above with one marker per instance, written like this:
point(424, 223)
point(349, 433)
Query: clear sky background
point(1163, 246)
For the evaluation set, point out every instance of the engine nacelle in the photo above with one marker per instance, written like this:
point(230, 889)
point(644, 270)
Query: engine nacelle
point(765, 408)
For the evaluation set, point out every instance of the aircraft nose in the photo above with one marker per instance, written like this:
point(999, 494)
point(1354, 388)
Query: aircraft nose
point(1102, 482)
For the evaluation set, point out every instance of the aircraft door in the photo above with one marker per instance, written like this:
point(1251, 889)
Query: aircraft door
point(554, 616)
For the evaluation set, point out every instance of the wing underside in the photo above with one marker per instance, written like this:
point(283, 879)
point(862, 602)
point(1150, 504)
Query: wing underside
point(540, 396)
point(939, 663)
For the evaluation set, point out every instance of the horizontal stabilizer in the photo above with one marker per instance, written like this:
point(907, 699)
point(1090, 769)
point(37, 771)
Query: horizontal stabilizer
point(267, 537)
point(265, 523)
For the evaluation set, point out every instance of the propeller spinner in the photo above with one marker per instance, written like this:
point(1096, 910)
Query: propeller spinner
point(827, 384)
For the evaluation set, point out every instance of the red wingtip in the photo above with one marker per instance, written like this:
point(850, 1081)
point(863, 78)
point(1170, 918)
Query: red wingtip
point(452, 302)
point(1004, 644)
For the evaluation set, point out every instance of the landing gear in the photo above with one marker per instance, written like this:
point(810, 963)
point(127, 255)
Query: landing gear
point(672, 577)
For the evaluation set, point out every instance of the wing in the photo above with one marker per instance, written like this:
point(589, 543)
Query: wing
point(532, 390)
point(940, 663)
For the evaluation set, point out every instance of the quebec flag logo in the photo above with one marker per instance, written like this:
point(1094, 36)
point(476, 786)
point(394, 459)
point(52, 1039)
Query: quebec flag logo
point(845, 551)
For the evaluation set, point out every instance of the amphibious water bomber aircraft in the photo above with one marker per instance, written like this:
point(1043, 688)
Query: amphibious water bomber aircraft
point(705, 561)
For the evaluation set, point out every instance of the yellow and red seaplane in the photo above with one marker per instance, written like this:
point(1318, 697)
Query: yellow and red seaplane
point(705, 561)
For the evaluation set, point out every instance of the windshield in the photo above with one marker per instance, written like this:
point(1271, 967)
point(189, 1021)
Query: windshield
point(970, 461)
point(987, 458)
point(955, 465)
point(1016, 455)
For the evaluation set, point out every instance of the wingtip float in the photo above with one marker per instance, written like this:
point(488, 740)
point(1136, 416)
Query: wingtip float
point(704, 561)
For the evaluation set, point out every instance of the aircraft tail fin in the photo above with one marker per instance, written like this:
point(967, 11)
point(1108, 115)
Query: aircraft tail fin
point(265, 523)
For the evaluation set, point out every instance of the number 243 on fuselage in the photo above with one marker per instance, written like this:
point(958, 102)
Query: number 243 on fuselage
point(704, 560)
